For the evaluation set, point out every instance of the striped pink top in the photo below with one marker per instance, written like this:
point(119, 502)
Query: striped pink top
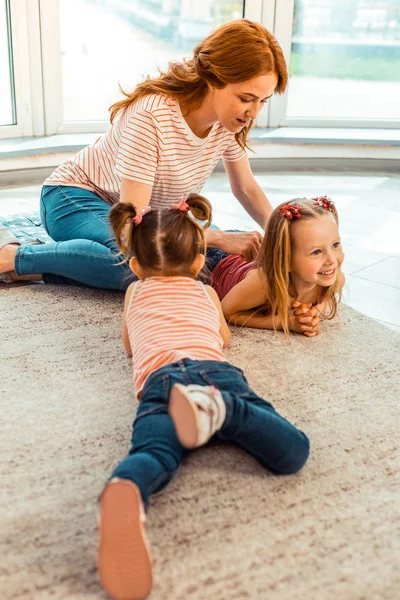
point(168, 319)
point(150, 143)
point(229, 272)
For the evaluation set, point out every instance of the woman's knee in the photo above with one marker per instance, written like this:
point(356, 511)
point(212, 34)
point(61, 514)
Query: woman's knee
point(71, 213)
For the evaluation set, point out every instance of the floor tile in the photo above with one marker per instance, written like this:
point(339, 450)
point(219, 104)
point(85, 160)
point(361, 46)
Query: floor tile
point(382, 238)
point(375, 300)
point(367, 214)
point(385, 238)
point(327, 182)
point(387, 272)
point(19, 200)
point(386, 194)
point(395, 328)
point(357, 258)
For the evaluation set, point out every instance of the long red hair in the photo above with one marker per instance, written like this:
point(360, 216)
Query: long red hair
point(235, 52)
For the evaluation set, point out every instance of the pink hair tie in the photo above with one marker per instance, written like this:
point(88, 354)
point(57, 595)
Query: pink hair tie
point(290, 210)
point(181, 205)
point(139, 217)
point(323, 201)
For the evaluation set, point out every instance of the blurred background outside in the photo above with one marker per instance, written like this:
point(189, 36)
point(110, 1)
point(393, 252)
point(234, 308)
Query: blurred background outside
point(344, 60)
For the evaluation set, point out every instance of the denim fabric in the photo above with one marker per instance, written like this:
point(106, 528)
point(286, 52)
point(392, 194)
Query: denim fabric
point(214, 256)
point(251, 422)
point(84, 251)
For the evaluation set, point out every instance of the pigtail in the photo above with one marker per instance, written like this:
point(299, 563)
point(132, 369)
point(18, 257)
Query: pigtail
point(121, 219)
point(200, 208)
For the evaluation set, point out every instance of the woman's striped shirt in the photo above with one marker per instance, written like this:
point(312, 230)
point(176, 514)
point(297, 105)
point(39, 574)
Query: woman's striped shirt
point(150, 143)
point(169, 319)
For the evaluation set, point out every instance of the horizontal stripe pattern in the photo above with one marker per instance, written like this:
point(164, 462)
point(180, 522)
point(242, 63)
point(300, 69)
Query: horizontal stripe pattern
point(150, 143)
point(169, 319)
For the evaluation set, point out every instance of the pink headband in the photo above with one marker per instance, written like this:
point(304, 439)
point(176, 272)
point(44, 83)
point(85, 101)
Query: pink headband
point(181, 205)
point(138, 219)
point(290, 210)
point(323, 201)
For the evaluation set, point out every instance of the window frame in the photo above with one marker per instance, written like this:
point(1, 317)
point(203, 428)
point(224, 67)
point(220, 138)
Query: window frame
point(36, 47)
point(283, 30)
point(22, 69)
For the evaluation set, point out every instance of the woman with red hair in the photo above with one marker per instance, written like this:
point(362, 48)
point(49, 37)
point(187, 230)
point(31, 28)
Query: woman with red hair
point(165, 139)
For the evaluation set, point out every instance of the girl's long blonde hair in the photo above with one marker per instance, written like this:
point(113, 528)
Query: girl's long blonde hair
point(275, 260)
point(233, 53)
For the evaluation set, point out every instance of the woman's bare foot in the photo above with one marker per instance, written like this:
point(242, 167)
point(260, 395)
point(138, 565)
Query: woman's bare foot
point(7, 264)
point(16, 277)
point(7, 258)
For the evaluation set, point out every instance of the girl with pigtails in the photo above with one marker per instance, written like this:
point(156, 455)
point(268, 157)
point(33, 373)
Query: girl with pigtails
point(175, 331)
point(296, 280)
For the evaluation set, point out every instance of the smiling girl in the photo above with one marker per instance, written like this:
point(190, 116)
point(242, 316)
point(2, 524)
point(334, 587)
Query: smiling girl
point(297, 279)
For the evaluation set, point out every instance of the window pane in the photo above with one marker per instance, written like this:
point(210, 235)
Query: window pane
point(7, 107)
point(345, 59)
point(125, 41)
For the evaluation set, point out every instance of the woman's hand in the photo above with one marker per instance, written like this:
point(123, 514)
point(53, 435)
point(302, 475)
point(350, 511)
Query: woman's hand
point(304, 319)
point(244, 243)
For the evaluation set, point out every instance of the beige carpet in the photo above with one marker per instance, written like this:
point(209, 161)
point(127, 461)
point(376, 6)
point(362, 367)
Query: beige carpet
point(224, 529)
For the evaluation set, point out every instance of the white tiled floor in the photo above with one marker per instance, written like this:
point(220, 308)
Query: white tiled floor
point(369, 211)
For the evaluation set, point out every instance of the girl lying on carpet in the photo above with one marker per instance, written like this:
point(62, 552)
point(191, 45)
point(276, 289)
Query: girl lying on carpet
point(297, 278)
point(175, 331)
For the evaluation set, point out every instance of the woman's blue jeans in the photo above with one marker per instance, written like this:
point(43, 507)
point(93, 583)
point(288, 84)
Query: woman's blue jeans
point(84, 251)
point(251, 422)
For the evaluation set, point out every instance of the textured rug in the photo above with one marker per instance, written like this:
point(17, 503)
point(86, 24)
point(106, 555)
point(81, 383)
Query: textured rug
point(26, 227)
point(224, 529)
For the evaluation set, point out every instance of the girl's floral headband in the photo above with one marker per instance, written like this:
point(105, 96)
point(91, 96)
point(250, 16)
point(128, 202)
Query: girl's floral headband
point(290, 210)
point(324, 201)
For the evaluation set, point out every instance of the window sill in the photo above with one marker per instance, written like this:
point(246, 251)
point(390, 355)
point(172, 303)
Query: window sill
point(71, 143)
point(31, 160)
point(331, 136)
point(35, 146)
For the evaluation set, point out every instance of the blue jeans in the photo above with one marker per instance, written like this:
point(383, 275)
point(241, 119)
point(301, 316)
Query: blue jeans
point(251, 422)
point(84, 251)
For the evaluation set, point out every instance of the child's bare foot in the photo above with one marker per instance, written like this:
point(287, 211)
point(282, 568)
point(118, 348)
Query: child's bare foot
point(124, 555)
point(197, 412)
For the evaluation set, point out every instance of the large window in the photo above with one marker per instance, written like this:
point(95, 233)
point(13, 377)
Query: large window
point(7, 104)
point(127, 40)
point(345, 60)
point(61, 61)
